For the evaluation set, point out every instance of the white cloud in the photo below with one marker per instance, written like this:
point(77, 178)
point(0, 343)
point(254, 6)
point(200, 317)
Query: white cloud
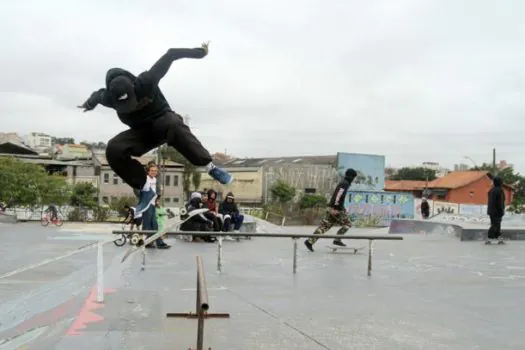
point(414, 80)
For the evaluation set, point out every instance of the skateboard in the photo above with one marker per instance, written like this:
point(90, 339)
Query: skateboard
point(161, 233)
point(334, 248)
point(497, 243)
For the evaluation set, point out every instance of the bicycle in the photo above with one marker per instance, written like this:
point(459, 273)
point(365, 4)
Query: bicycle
point(46, 220)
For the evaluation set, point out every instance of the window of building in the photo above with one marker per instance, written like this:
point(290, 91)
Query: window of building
point(176, 200)
point(167, 180)
point(309, 190)
point(106, 178)
point(175, 180)
point(167, 200)
point(113, 199)
point(115, 179)
point(105, 200)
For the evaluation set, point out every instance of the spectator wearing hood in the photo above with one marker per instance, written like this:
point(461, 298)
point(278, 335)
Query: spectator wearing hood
point(496, 210)
point(200, 222)
point(425, 209)
point(231, 214)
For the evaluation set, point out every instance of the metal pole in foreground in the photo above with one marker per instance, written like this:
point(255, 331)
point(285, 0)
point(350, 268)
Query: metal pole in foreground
point(219, 254)
point(294, 255)
point(100, 272)
point(369, 258)
point(202, 303)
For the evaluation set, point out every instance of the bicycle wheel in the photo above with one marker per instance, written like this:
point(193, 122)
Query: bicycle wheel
point(121, 241)
point(59, 222)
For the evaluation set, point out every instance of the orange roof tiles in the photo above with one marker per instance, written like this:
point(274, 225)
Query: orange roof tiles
point(404, 185)
point(457, 179)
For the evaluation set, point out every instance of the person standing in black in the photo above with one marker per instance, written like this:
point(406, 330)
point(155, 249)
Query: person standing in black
point(425, 209)
point(496, 210)
point(336, 212)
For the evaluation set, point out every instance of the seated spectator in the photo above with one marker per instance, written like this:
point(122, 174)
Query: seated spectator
point(198, 222)
point(213, 214)
point(231, 214)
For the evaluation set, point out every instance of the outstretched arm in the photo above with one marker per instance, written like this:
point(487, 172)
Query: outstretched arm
point(97, 97)
point(161, 67)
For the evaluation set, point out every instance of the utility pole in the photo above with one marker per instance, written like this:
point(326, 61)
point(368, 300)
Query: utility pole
point(494, 161)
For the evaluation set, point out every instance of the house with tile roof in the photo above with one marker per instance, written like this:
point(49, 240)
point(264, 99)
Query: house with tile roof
point(465, 187)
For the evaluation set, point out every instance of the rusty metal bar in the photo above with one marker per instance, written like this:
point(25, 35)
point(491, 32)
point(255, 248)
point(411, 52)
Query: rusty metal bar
point(202, 303)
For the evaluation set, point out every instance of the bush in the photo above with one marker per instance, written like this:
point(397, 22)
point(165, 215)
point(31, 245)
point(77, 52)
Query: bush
point(312, 201)
point(101, 213)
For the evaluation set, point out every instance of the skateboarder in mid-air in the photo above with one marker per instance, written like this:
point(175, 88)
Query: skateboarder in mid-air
point(140, 104)
point(336, 212)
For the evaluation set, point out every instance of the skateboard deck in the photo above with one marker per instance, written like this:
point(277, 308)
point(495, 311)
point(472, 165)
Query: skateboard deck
point(335, 248)
point(161, 233)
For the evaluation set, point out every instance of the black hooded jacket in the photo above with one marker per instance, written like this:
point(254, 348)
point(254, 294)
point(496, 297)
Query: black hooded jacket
point(496, 199)
point(226, 208)
point(337, 201)
point(139, 100)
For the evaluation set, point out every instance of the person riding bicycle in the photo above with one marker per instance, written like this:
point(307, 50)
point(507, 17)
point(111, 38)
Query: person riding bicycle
point(52, 209)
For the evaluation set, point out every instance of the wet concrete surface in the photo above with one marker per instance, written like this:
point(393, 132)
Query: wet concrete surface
point(426, 292)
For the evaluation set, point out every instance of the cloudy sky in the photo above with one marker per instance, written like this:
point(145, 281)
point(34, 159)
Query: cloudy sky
point(415, 80)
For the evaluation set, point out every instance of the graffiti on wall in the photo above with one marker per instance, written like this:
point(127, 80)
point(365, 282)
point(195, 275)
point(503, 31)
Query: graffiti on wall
point(370, 170)
point(380, 207)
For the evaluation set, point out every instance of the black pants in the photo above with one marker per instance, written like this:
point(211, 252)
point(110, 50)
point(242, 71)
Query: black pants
point(170, 129)
point(495, 227)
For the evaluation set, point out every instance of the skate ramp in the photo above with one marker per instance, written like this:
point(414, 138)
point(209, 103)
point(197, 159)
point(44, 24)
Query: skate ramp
point(405, 226)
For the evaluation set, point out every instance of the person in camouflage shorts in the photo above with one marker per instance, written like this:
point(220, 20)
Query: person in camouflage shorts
point(336, 212)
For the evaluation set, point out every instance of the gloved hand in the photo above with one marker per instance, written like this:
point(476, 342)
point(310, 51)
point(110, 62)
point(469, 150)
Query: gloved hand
point(204, 47)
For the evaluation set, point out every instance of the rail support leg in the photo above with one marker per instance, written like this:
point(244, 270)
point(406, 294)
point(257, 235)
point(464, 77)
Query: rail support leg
point(370, 257)
point(219, 254)
point(100, 272)
point(294, 255)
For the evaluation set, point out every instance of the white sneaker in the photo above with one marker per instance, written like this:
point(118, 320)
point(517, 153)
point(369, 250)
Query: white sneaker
point(229, 238)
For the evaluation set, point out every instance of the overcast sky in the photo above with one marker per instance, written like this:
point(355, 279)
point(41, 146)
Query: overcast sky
point(415, 80)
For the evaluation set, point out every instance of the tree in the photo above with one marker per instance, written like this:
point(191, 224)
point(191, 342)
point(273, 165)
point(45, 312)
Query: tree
point(282, 192)
point(389, 172)
point(121, 202)
point(62, 140)
point(418, 174)
point(509, 177)
point(84, 195)
point(312, 201)
point(28, 184)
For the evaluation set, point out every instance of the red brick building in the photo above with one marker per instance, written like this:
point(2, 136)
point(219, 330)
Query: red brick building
point(466, 187)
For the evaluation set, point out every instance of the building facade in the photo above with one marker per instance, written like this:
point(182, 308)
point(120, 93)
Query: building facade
point(39, 141)
point(465, 187)
point(111, 187)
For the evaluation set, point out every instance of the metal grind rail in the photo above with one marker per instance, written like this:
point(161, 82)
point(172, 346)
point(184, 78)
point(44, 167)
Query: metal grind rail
point(293, 236)
point(202, 306)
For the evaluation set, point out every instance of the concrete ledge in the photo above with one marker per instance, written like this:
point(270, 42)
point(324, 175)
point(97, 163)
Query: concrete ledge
point(407, 226)
point(480, 234)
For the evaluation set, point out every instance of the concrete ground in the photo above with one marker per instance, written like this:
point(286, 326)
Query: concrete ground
point(426, 292)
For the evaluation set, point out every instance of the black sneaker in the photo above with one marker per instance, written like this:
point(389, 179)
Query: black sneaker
point(339, 243)
point(150, 246)
point(163, 246)
point(309, 245)
point(501, 242)
point(488, 242)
